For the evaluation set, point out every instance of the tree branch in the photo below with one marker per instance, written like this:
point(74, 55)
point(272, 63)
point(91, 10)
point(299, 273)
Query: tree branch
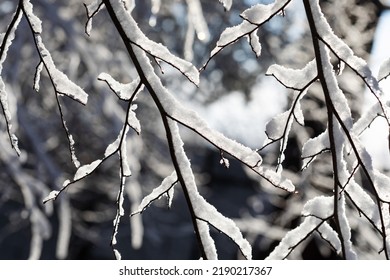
point(150, 88)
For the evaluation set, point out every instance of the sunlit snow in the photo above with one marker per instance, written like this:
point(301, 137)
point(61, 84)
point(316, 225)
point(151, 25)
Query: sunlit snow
point(376, 138)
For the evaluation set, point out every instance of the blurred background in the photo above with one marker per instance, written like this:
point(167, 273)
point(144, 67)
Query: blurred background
point(234, 96)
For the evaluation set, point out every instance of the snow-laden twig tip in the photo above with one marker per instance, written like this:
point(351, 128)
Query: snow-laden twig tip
point(167, 184)
point(384, 70)
point(52, 196)
point(92, 9)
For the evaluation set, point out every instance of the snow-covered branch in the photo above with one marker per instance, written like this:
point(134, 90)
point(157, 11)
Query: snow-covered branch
point(333, 174)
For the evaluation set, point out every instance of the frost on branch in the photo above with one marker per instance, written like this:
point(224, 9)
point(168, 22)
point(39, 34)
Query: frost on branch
point(339, 101)
point(5, 43)
point(253, 17)
point(195, 15)
point(278, 128)
point(345, 54)
point(261, 13)
point(320, 207)
point(173, 113)
point(123, 91)
point(202, 210)
point(316, 212)
point(52, 196)
point(341, 138)
point(87, 169)
point(158, 51)
point(167, 184)
point(92, 9)
point(384, 70)
point(254, 41)
point(325, 216)
point(314, 147)
point(60, 81)
point(294, 237)
point(189, 118)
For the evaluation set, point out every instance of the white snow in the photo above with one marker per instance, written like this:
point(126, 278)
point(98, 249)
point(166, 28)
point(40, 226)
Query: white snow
point(159, 51)
point(14, 143)
point(61, 82)
point(52, 195)
point(9, 39)
point(275, 178)
point(118, 255)
point(344, 178)
point(278, 126)
point(166, 185)
point(384, 70)
point(195, 15)
point(261, 13)
point(253, 18)
point(294, 78)
point(227, 4)
point(254, 41)
point(72, 150)
point(64, 229)
point(314, 146)
point(320, 207)
point(189, 42)
point(294, 237)
point(66, 183)
point(225, 162)
point(207, 241)
point(364, 202)
point(123, 156)
point(120, 200)
point(132, 120)
point(192, 120)
point(119, 213)
point(345, 229)
point(243, 120)
point(93, 7)
point(330, 235)
point(232, 34)
point(382, 185)
point(342, 50)
point(8, 116)
point(86, 169)
point(123, 91)
point(379, 129)
point(114, 146)
point(339, 101)
point(34, 21)
point(3, 92)
point(37, 77)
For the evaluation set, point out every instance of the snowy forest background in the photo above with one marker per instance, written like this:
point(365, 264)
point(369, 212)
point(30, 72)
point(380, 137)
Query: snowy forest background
point(310, 180)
